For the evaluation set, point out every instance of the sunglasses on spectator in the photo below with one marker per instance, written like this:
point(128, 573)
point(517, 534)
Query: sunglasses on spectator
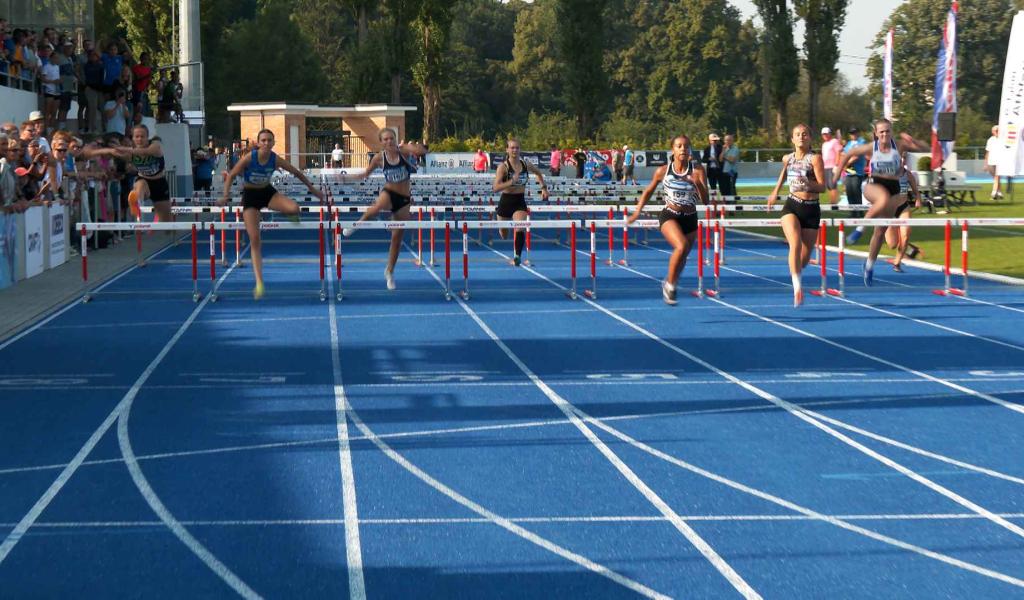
point(60, 149)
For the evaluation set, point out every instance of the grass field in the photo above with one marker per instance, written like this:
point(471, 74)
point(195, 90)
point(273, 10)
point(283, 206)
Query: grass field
point(993, 249)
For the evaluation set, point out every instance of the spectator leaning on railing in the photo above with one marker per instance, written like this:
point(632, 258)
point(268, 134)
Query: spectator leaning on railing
point(8, 180)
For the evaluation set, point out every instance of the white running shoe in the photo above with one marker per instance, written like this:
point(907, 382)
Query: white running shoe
point(668, 292)
point(389, 277)
point(348, 231)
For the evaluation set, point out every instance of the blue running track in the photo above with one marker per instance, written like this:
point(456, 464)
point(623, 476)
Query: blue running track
point(520, 444)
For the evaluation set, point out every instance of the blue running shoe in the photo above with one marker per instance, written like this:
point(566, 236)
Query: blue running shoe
point(853, 237)
point(869, 275)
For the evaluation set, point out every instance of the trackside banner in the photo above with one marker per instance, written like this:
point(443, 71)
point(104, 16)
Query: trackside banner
point(1011, 109)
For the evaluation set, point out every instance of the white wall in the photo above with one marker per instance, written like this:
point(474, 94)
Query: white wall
point(177, 154)
point(16, 104)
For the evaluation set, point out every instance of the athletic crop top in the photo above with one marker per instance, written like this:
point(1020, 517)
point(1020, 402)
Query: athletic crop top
point(886, 164)
point(800, 172)
point(257, 174)
point(524, 175)
point(148, 166)
point(396, 173)
point(679, 187)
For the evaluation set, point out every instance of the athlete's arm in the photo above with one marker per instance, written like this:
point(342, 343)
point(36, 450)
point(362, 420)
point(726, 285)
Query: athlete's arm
point(235, 171)
point(374, 163)
point(532, 168)
point(778, 184)
point(283, 163)
point(659, 174)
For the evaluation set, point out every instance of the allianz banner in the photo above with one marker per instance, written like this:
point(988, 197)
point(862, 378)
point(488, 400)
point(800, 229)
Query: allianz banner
point(57, 222)
point(33, 241)
point(449, 162)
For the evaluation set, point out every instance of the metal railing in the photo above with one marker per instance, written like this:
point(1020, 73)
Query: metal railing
point(19, 82)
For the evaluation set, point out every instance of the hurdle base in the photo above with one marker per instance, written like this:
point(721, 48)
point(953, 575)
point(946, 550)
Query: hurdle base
point(464, 295)
point(697, 293)
point(338, 296)
point(712, 294)
point(957, 292)
point(819, 293)
point(836, 293)
point(196, 296)
point(940, 292)
point(141, 263)
point(623, 262)
point(86, 299)
point(590, 294)
point(571, 294)
point(213, 297)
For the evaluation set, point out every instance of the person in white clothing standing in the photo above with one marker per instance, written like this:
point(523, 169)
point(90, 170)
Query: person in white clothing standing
point(337, 155)
point(992, 150)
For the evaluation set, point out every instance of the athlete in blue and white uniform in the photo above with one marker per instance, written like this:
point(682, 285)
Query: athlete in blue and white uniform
point(804, 171)
point(684, 183)
point(396, 196)
point(511, 179)
point(256, 169)
point(882, 190)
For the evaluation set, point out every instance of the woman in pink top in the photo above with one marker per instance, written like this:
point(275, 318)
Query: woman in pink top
point(830, 149)
point(480, 161)
point(556, 161)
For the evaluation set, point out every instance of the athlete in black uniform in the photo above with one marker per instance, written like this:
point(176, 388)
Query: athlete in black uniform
point(146, 156)
point(801, 216)
point(396, 196)
point(685, 182)
point(511, 180)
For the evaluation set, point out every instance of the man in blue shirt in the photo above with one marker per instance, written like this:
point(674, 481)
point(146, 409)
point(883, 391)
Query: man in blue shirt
point(112, 63)
point(854, 178)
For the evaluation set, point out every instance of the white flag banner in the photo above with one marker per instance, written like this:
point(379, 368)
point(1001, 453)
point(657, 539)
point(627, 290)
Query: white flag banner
point(887, 76)
point(1011, 110)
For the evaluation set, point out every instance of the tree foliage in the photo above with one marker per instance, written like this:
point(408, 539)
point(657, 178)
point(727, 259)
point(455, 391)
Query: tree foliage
point(823, 21)
point(580, 48)
point(779, 57)
point(983, 30)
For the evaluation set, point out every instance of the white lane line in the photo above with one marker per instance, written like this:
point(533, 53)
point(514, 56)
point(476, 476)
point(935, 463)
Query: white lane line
point(837, 521)
point(803, 414)
point(37, 509)
point(353, 545)
point(649, 494)
point(912, 517)
point(941, 381)
point(73, 303)
point(170, 323)
point(890, 441)
point(995, 304)
point(139, 478)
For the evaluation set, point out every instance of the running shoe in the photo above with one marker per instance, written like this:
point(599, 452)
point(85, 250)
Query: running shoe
point(258, 291)
point(389, 277)
point(896, 267)
point(668, 293)
point(853, 237)
point(348, 231)
point(133, 204)
point(913, 251)
point(869, 275)
point(516, 261)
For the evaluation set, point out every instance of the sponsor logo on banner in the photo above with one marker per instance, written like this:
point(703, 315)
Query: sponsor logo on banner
point(654, 159)
point(33, 241)
point(58, 250)
point(461, 162)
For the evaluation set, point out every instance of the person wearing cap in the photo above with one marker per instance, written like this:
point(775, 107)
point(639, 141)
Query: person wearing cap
point(36, 123)
point(712, 159)
point(830, 150)
point(628, 162)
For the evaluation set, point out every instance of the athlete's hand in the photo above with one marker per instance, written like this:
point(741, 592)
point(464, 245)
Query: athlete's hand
point(771, 201)
point(222, 201)
point(544, 193)
point(319, 194)
point(633, 217)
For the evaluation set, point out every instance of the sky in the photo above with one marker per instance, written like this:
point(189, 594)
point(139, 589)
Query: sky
point(864, 18)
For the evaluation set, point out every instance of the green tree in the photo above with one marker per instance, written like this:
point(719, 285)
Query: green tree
point(580, 46)
point(823, 20)
point(536, 65)
point(983, 31)
point(397, 50)
point(433, 23)
point(779, 56)
point(148, 26)
point(250, 66)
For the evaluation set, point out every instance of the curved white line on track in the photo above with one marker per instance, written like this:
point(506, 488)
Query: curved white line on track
point(568, 409)
point(807, 416)
point(150, 496)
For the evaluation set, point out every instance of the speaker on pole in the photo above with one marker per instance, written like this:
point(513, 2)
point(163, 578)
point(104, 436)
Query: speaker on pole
point(947, 126)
